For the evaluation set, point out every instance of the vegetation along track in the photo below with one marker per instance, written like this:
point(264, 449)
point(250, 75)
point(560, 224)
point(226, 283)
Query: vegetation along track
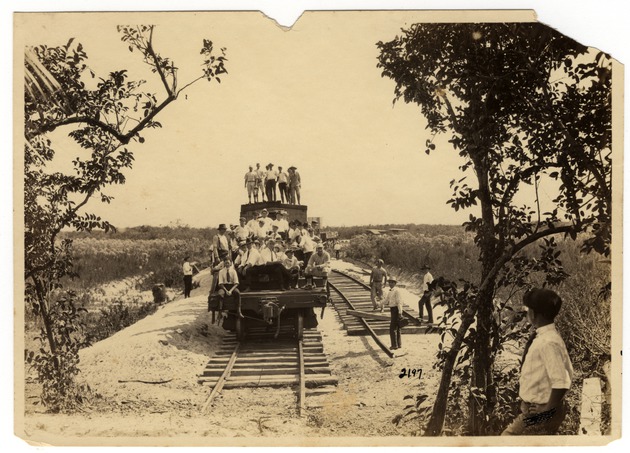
point(262, 361)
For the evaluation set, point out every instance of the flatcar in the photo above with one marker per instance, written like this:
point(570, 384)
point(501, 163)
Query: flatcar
point(265, 303)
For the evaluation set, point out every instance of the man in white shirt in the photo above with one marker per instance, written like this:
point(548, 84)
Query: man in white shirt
point(268, 254)
point(188, 273)
point(268, 220)
point(250, 184)
point(283, 225)
point(242, 231)
point(228, 286)
point(291, 264)
point(270, 183)
point(318, 265)
point(393, 300)
point(221, 244)
point(260, 178)
point(426, 298)
point(250, 258)
point(546, 370)
point(308, 246)
point(295, 183)
point(283, 180)
point(261, 231)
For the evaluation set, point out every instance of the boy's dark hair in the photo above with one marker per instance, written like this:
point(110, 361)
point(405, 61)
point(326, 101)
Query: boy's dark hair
point(543, 301)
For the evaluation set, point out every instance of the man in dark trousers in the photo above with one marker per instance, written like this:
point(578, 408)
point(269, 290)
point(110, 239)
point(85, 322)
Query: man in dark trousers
point(393, 300)
point(187, 269)
point(427, 295)
point(546, 370)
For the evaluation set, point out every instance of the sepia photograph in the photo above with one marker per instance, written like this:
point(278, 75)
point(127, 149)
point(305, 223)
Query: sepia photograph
point(368, 228)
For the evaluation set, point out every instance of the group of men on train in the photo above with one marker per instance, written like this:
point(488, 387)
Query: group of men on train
point(281, 249)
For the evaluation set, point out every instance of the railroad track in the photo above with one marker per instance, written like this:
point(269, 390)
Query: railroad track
point(262, 361)
point(349, 293)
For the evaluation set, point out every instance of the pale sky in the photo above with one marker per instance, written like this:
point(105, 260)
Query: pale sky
point(311, 97)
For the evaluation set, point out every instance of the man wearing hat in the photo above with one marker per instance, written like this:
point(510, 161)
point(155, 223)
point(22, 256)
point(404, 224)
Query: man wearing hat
point(221, 244)
point(283, 180)
point(295, 183)
point(259, 230)
point(393, 300)
point(250, 184)
point(268, 220)
point(546, 370)
point(378, 277)
point(283, 225)
point(318, 264)
point(260, 178)
point(242, 231)
point(427, 294)
point(270, 183)
point(240, 254)
point(250, 259)
point(292, 265)
point(227, 283)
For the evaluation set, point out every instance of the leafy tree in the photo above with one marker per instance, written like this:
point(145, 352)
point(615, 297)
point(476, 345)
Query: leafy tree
point(102, 120)
point(523, 105)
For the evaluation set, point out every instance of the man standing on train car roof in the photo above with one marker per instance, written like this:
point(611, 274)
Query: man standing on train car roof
point(270, 183)
point(221, 243)
point(250, 184)
point(283, 180)
point(295, 183)
point(228, 285)
point(260, 178)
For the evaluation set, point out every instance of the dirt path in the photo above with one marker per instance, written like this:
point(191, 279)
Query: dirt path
point(174, 344)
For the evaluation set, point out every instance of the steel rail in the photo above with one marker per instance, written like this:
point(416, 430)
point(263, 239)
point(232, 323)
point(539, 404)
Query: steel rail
point(219, 385)
point(364, 322)
point(413, 319)
point(302, 391)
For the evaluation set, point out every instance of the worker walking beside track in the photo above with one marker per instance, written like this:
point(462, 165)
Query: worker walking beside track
point(378, 277)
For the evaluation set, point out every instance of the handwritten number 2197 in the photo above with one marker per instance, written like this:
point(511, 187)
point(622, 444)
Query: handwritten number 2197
point(410, 373)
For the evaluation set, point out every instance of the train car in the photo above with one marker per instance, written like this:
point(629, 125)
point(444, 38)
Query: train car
point(264, 302)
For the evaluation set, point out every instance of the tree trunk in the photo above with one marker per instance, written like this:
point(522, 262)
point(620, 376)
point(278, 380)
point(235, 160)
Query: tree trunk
point(481, 364)
point(436, 421)
point(45, 315)
point(483, 357)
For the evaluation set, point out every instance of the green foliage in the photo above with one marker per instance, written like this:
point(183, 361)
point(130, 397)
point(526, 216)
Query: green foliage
point(101, 259)
point(523, 106)
point(452, 257)
point(109, 320)
point(56, 370)
point(105, 119)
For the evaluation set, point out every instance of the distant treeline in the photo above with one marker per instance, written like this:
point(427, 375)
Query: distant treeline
point(348, 232)
point(146, 232)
